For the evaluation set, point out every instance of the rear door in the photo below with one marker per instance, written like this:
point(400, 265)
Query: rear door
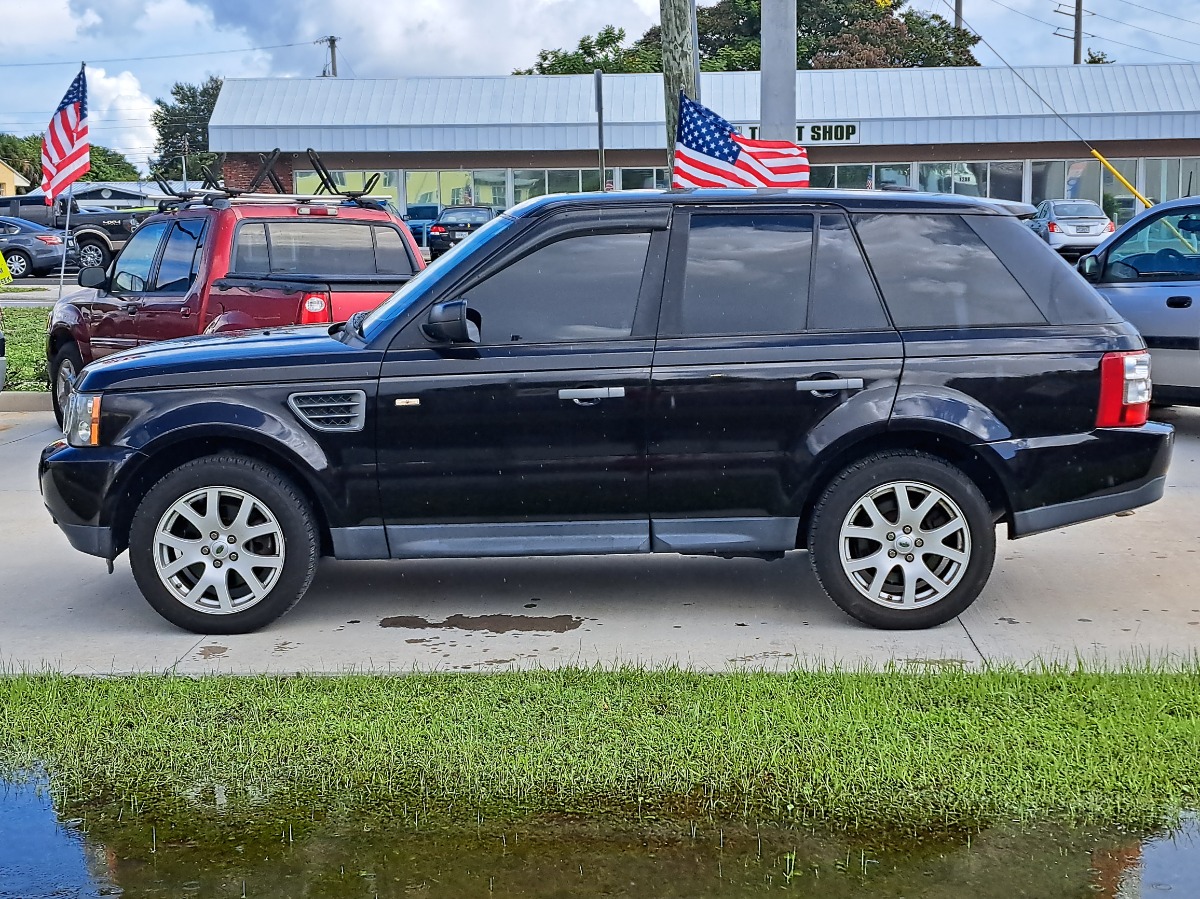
point(772, 335)
point(112, 316)
point(171, 307)
point(1151, 276)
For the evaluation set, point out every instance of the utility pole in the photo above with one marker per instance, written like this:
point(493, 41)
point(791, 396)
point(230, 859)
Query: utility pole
point(1078, 32)
point(679, 73)
point(598, 74)
point(777, 107)
point(958, 13)
point(331, 42)
point(695, 50)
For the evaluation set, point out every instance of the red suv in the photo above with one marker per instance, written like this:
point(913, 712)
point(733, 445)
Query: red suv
point(228, 264)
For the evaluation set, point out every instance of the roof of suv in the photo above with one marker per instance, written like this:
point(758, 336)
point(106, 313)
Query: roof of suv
point(854, 200)
point(282, 209)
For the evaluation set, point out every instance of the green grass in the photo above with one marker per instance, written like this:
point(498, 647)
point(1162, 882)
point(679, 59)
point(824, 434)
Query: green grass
point(25, 334)
point(9, 288)
point(895, 748)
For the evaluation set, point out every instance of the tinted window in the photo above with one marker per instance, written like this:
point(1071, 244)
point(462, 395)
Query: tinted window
point(465, 216)
point(133, 265)
point(936, 272)
point(746, 274)
point(1078, 209)
point(391, 256)
point(250, 249)
point(1166, 248)
point(321, 248)
point(580, 288)
point(180, 258)
point(844, 297)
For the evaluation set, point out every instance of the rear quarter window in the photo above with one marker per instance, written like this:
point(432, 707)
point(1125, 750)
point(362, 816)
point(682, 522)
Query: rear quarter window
point(935, 271)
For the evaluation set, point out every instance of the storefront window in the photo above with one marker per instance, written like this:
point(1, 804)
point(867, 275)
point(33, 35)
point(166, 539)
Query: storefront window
point(967, 178)
point(1162, 180)
point(421, 188)
point(1083, 180)
point(896, 174)
point(854, 176)
point(1048, 181)
point(457, 189)
point(1189, 177)
point(1119, 204)
point(1004, 180)
point(306, 182)
point(590, 179)
point(636, 179)
point(562, 181)
point(822, 176)
point(528, 183)
point(491, 188)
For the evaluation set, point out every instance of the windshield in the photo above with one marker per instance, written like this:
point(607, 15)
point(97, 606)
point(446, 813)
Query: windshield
point(428, 279)
point(1085, 210)
point(466, 217)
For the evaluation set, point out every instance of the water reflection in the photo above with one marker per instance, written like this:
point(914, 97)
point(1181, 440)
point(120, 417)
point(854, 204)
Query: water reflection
point(91, 849)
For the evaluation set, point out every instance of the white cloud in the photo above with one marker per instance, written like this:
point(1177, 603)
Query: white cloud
point(117, 114)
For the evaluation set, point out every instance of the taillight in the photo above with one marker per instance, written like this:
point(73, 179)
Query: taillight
point(1051, 226)
point(316, 309)
point(48, 238)
point(437, 229)
point(1124, 390)
point(1110, 227)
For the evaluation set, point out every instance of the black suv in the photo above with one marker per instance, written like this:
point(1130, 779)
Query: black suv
point(878, 378)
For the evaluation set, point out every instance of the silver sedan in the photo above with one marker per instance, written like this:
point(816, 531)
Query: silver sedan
point(1071, 226)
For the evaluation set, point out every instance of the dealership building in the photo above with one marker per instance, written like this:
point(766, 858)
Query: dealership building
point(500, 140)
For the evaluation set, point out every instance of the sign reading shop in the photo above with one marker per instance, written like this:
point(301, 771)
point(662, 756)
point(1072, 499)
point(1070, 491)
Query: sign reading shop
point(817, 133)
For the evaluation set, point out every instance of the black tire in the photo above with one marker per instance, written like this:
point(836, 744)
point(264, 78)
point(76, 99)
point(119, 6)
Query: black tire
point(272, 491)
point(19, 264)
point(94, 254)
point(975, 539)
point(66, 360)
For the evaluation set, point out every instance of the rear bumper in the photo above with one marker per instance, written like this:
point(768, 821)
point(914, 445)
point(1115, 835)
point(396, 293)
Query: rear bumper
point(1056, 481)
point(78, 488)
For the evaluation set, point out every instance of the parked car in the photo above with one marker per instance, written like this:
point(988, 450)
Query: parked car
point(419, 217)
point(1150, 271)
point(227, 265)
point(1071, 226)
point(32, 249)
point(550, 389)
point(454, 224)
point(98, 235)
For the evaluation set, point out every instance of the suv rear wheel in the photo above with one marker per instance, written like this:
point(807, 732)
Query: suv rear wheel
point(223, 545)
point(902, 540)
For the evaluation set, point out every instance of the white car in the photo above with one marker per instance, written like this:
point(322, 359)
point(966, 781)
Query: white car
point(1072, 226)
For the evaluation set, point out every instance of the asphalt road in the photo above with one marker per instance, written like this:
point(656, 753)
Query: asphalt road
point(1112, 591)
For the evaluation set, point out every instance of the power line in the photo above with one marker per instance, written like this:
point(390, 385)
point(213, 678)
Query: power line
point(1098, 37)
point(75, 62)
point(1159, 11)
point(1147, 30)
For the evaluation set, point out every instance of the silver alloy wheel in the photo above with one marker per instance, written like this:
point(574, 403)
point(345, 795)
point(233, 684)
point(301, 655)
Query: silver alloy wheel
point(17, 265)
point(905, 545)
point(64, 384)
point(91, 256)
point(219, 550)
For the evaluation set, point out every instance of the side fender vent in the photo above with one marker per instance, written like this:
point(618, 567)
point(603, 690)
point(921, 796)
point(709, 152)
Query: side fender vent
point(342, 410)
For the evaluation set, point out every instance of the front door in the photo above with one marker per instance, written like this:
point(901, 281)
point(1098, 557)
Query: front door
point(112, 316)
point(1152, 277)
point(170, 308)
point(771, 328)
point(531, 440)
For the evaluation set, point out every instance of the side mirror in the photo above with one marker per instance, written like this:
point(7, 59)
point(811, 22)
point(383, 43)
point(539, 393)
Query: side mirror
point(93, 276)
point(452, 322)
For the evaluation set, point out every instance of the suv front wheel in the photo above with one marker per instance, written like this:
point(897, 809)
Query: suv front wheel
point(223, 545)
point(902, 540)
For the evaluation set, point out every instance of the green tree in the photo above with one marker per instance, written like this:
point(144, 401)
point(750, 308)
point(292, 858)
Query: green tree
point(1098, 57)
point(182, 126)
point(109, 165)
point(829, 34)
point(24, 154)
point(606, 51)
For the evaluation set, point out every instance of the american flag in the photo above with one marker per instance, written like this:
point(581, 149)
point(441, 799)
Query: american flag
point(710, 153)
point(65, 149)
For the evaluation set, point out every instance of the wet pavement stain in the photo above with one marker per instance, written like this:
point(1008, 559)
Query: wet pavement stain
point(211, 652)
point(496, 624)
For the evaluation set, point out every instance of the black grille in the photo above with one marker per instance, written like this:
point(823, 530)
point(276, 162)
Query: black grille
point(343, 410)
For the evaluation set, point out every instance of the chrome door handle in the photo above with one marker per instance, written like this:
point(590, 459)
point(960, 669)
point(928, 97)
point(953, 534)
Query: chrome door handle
point(590, 395)
point(830, 385)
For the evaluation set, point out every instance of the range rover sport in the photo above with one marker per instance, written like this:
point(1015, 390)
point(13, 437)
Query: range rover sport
point(878, 378)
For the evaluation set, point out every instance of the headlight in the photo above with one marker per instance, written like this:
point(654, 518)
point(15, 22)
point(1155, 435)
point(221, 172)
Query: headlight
point(81, 424)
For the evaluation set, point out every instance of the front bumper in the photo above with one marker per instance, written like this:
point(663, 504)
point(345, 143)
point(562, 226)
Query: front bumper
point(1055, 481)
point(81, 489)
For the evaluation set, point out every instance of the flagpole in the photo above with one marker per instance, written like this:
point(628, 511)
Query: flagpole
point(62, 272)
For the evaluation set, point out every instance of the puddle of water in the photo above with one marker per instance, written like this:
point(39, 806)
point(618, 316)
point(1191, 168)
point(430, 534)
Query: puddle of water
point(401, 850)
point(496, 624)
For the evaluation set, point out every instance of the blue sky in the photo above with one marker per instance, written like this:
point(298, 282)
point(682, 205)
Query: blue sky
point(388, 38)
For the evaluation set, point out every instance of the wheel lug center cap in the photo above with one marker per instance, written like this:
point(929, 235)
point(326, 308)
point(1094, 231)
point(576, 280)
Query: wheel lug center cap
point(904, 543)
point(218, 549)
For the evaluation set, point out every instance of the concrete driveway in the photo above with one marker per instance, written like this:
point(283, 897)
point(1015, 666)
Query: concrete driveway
point(1121, 589)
